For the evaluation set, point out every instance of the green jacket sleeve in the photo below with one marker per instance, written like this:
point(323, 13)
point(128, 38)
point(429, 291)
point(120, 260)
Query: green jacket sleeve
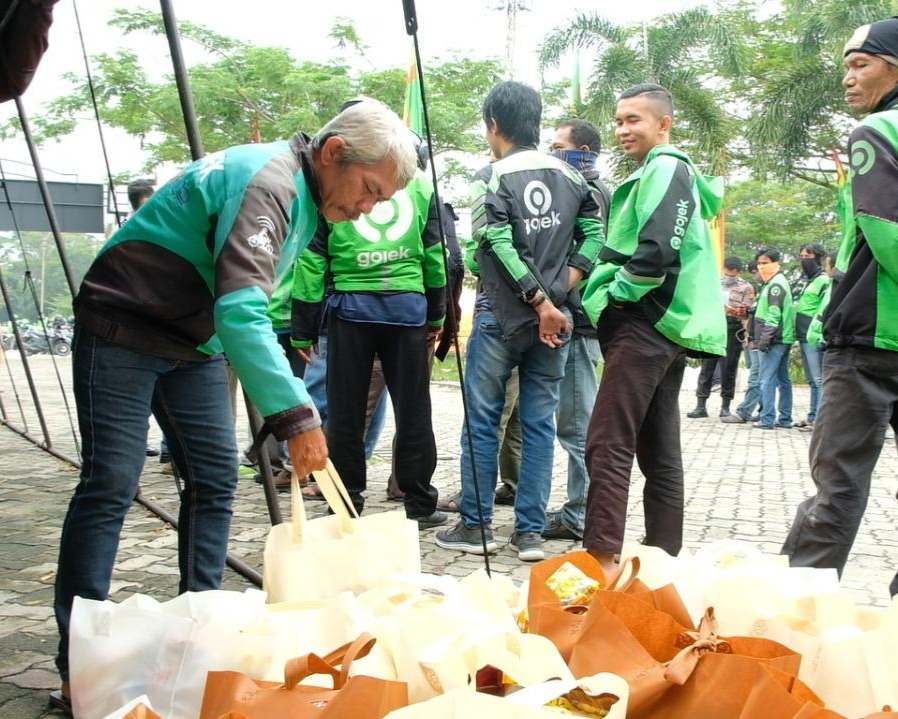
point(589, 233)
point(874, 179)
point(434, 267)
point(309, 284)
point(497, 236)
point(477, 196)
point(665, 205)
point(244, 274)
point(769, 323)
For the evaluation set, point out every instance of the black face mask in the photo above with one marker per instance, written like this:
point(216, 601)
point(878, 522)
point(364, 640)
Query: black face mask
point(810, 267)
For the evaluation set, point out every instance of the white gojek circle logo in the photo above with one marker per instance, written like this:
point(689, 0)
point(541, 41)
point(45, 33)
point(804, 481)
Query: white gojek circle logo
point(388, 220)
point(537, 198)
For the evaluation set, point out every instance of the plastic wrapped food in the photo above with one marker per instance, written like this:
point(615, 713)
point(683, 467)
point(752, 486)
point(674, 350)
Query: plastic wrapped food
point(571, 585)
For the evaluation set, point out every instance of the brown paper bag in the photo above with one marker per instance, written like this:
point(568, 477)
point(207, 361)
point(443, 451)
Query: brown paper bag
point(359, 697)
point(665, 599)
point(141, 712)
point(672, 671)
point(777, 695)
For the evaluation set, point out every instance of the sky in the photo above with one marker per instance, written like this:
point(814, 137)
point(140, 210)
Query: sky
point(475, 28)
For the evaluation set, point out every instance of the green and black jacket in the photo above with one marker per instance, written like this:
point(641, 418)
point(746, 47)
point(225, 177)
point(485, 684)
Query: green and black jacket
point(809, 304)
point(659, 254)
point(863, 307)
point(775, 313)
point(532, 217)
point(395, 248)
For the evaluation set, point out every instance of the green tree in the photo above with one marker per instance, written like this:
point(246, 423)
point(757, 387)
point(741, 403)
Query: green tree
point(787, 215)
point(798, 113)
point(245, 93)
point(46, 284)
point(691, 53)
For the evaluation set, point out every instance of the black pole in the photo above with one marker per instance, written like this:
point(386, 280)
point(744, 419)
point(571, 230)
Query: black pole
point(181, 79)
point(411, 28)
point(25, 365)
point(45, 194)
point(271, 495)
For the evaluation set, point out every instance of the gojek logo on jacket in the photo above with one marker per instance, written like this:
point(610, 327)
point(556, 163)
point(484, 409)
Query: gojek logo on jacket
point(538, 201)
point(387, 221)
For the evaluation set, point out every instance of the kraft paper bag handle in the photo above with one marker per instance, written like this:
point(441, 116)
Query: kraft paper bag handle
point(632, 564)
point(303, 667)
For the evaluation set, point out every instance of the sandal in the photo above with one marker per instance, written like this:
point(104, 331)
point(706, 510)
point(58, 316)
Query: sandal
point(450, 504)
point(60, 702)
point(311, 491)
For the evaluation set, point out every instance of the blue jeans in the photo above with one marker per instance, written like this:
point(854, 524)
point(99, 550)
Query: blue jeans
point(115, 390)
point(577, 397)
point(812, 359)
point(775, 372)
point(490, 359)
point(753, 392)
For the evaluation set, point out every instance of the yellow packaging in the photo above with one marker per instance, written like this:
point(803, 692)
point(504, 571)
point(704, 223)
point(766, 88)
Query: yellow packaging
point(571, 585)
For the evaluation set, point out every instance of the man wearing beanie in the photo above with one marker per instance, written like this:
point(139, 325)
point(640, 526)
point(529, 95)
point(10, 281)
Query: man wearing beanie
point(860, 326)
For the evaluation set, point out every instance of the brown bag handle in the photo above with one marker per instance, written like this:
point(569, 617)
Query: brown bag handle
point(696, 644)
point(307, 665)
point(631, 563)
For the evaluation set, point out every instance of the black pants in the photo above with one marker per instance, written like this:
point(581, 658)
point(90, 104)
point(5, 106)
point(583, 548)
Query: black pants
point(636, 413)
point(729, 366)
point(860, 401)
point(403, 353)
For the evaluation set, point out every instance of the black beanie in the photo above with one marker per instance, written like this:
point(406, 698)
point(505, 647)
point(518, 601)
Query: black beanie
point(879, 38)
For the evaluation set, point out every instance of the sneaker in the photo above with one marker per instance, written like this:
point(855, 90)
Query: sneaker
point(758, 425)
point(152, 452)
point(809, 427)
point(436, 519)
point(505, 495)
point(529, 546)
point(734, 418)
point(466, 539)
point(784, 425)
point(556, 529)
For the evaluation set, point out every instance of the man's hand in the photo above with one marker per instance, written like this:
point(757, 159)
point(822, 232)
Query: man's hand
point(305, 353)
point(434, 334)
point(552, 323)
point(308, 451)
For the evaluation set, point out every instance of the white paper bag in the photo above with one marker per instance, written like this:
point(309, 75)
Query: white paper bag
point(141, 647)
point(307, 560)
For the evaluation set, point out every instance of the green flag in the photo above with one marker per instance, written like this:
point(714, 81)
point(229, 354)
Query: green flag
point(413, 111)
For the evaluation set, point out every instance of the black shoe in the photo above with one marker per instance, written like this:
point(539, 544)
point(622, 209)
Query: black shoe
point(505, 495)
point(164, 458)
point(59, 702)
point(437, 519)
point(724, 412)
point(152, 452)
point(556, 529)
point(699, 412)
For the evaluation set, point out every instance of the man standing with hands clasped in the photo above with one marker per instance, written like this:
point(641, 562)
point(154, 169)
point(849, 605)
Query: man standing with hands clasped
point(655, 295)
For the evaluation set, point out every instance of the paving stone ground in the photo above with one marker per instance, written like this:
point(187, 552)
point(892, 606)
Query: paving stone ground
point(741, 483)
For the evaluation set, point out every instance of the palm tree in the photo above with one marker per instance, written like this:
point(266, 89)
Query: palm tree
point(800, 112)
point(692, 53)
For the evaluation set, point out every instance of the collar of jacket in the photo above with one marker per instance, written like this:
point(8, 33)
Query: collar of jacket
point(301, 144)
point(889, 102)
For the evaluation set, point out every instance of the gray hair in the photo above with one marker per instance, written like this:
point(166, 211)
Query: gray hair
point(373, 133)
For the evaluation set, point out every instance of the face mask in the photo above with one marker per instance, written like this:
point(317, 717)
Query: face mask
point(809, 266)
point(769, 270)
point(729, 281)
point(579, 159)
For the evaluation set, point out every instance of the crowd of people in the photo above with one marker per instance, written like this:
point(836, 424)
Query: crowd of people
point(253, 255)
